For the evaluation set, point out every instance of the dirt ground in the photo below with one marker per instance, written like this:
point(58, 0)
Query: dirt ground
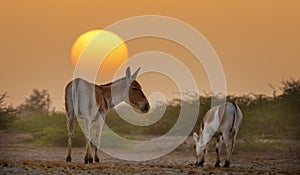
point(27, 159)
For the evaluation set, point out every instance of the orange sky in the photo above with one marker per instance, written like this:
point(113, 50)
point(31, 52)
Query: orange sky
point(256, 41)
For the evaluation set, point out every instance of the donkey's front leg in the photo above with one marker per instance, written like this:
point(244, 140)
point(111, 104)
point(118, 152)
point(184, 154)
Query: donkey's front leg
point(197, 163)
point(96, 158)
point(88, 156)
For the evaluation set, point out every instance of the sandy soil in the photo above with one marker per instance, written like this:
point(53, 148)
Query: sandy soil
point(27, 159)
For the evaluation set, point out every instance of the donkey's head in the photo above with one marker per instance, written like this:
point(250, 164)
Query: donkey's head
point(200, 149)
point(197, 144)
point(136, 97)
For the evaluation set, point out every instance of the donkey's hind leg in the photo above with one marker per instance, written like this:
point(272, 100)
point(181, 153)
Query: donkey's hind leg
point(88, 156)
point(70, 127)
point(218, 150)
point(228, 149)
point(233, 139)
point(98, 128)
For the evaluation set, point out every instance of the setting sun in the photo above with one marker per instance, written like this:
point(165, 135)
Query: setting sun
point(105, 42)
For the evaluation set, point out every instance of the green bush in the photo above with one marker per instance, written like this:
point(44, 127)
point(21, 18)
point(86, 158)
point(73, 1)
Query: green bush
point(48, 129)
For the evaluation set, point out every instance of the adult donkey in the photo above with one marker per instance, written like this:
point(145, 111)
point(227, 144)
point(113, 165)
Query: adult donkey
point(221, 121)
point(91, 102)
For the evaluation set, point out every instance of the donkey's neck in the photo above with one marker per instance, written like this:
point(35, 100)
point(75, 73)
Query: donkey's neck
point(112, 99)
point(204, 138)
point(107, 97)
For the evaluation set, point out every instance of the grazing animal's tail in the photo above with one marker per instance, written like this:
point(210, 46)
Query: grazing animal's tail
point(237, 121)
point(233, 128)
point(238, 117)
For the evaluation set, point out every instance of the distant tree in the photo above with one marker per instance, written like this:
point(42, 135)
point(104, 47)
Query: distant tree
point(7, 112)
point(291, 93)
point(38, 101)
point(2, 103)
point(291, 87)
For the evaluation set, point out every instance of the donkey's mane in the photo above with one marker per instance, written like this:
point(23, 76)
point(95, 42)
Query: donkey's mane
point(109, 84)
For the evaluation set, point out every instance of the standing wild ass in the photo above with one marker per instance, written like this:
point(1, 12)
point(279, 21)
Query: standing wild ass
point(91, 102)
point(223, 122)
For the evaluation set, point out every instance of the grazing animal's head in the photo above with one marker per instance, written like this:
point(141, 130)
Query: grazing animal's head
point(136, 97)
point(198, 145)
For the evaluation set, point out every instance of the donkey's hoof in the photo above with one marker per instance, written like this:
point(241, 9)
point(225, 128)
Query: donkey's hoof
point(199, 163)
point(217, 164)
point(97, 159)
point(88, 159)
point(227, 163)
point(68, 159)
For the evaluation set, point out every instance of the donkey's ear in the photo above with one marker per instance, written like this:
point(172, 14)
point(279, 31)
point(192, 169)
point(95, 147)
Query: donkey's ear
point(128, 74)
point(135, 74)
point(196, 137)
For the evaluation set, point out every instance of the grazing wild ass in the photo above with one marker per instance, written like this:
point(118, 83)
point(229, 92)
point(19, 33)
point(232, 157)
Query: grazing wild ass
point(91, 102)
point(222, 122)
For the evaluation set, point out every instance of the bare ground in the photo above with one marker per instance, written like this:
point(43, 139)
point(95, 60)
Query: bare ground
point(16, 158)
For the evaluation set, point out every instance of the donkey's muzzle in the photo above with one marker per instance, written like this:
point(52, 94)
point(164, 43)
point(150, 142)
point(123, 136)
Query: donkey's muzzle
point(146, 107)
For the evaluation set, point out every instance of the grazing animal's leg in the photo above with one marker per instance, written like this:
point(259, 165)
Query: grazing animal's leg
point(197, 163)
point(199, 160)
point(233, 139)
point(228, 150)
point(99, 124)
point(70, 126)
point(88, 156)
point(218, 150)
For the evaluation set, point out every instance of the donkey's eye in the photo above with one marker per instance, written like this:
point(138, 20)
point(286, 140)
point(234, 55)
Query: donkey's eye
point(135, 89)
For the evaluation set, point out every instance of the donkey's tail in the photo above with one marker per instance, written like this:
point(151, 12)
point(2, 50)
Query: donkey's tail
point(75, 96)
point(71, 98)
point(238, 118)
